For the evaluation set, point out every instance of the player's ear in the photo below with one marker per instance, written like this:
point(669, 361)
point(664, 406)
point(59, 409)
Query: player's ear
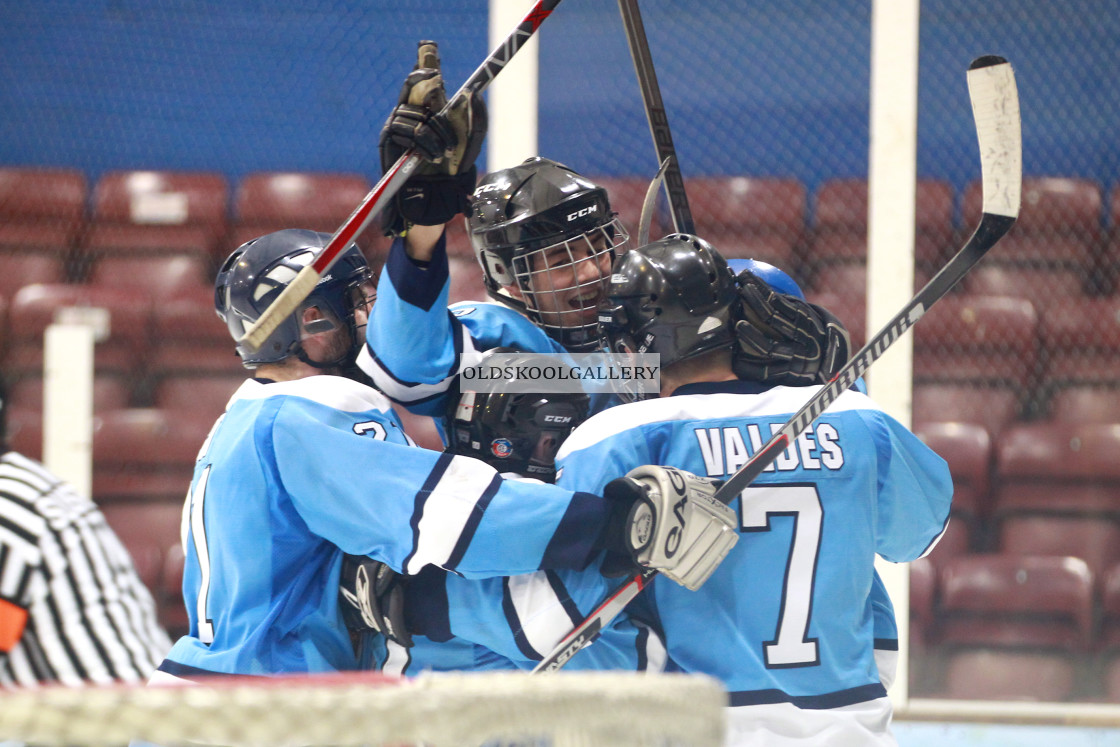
point(314, 321)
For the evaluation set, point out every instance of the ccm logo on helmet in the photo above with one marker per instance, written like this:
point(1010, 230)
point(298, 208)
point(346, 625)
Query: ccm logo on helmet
point(557, 418)
point(583, 211)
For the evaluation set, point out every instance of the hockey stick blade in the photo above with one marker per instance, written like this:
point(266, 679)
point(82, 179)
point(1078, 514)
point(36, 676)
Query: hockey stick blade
point(995, 109)
point(389, 184)
point(649, 204)
point(656, 116)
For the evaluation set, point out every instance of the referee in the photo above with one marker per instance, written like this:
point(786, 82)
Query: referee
point(72, 608)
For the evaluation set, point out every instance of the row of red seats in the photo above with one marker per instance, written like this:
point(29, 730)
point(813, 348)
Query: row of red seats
point(1008, 626)
point(992, 358)
point(1063, 224)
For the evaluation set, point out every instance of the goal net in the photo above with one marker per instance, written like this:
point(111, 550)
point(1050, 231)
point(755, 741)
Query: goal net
point(437, 710)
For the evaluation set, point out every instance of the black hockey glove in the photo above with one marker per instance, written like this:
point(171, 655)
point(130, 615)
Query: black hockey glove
point(783, 340)
point(448, 144)
point(371, 596)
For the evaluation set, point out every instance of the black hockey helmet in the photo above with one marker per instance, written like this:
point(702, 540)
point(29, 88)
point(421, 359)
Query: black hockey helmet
point(672, 297)
point(534, 221)
point(514, 432)
point(259, 270)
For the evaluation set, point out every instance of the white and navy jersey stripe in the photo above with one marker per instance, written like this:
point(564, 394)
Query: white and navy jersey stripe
point(297, 473)
point(513, 623)
point(72, 608)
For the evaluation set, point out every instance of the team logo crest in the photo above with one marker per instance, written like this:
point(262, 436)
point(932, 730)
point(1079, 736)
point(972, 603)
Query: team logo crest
point(501, 447)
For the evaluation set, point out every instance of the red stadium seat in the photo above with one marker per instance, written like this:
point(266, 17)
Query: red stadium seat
point(25, 431)
point(744, 217)
point(1043, 286)
point(923, 591)
point(147, 531)
point(106, 239)
point(270, 201)
point(145, 454)
point(978, 339)
point(157, 277)
point(1057, 491)
point(1085, 404)
point(200, 393)
point(20, 268)
point(172, 612)
point(1007, 601)
point(35, 307)
point(1109, 639)
point(1060, 224)
point(163, 198)
point(840, 222)
point(34, 195)
point(991, 407)
point(188, 337)
point(1080, 342)
point(110, 392)
point(39, 237)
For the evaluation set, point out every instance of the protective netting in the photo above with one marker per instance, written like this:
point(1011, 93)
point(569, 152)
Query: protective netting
point(274, 113)
point(563, 710)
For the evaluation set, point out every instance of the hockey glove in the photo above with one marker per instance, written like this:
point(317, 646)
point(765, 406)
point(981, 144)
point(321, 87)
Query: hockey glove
point(448, 144)
point(673, 523)
point(371, 596)
point(784, 340)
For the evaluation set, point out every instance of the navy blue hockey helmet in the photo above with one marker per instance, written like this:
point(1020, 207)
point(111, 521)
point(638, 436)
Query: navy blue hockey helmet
point(534, 226)
point(259, 270)
point(672, 297)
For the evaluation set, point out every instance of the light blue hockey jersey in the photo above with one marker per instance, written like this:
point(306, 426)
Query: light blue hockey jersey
point(296, 473)
point(788, 617)
point(412, 305)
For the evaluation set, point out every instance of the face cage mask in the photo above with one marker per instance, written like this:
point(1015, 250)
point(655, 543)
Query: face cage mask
point(558, 301)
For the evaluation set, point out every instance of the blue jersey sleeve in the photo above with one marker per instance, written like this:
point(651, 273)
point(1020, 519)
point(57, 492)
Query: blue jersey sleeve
point(424, 507)
point(416, 346)
point(915, 491)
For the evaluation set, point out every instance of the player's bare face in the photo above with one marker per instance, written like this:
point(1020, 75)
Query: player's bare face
point(567, 281)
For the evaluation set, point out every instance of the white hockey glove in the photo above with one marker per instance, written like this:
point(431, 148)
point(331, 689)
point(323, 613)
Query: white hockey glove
point(674, 524)
point(371, 597)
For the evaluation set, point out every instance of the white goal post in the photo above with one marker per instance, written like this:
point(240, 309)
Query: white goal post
point(437, 710)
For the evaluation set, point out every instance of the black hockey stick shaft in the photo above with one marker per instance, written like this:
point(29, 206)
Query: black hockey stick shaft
point(389, 184)
point(995, 107)
point(656, 116)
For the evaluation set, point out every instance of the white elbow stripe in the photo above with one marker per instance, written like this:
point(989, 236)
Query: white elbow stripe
point(450, 507)
point(541, 613)
point(394, 388)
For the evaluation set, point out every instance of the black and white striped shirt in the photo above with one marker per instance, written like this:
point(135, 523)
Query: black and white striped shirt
point(72, 608)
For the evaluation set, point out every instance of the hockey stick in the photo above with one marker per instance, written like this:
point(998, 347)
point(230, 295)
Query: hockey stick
point(995, 108)
point(389, 184)
point(655, 114)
